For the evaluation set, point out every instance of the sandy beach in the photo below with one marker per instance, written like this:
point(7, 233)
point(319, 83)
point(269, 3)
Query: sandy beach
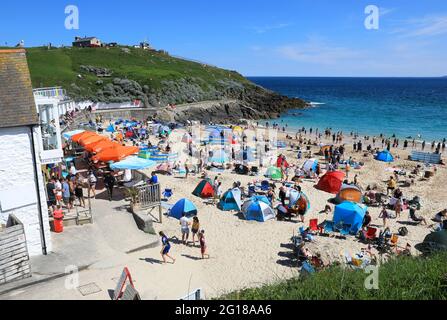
point(249, 254)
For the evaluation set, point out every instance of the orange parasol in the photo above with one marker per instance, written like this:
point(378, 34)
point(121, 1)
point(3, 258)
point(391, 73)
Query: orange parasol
point(101, 145)
point(77, 137)
point(115, 154)
point(90, 140)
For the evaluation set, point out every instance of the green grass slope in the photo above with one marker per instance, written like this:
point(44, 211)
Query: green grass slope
point(404, 278)
point(150, 69)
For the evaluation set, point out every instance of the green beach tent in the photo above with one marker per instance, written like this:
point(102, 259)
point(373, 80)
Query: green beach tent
point(204, 189)
point(274, 173)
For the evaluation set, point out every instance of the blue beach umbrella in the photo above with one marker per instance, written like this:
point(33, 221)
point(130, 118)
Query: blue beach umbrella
point(133, 163)
point(183, 206)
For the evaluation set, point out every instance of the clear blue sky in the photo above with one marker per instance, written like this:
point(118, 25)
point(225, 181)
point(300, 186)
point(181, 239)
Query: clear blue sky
point(254, 37)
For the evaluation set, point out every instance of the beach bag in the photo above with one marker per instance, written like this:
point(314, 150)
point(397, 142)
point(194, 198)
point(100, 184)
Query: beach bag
point(403, 231)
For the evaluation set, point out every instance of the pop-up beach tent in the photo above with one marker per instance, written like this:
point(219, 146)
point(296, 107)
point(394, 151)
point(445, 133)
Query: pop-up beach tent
point(331, 182)
point(349, 192)
point(231, 200)
point(299, 199)
point(274, 173)
point(254, 209)
point(350, 213)
point(435, 241)
point(384, 156)
point(219, 156)
point(183, 206)
point(110, 128)
point(204, 189)
point(310, 164)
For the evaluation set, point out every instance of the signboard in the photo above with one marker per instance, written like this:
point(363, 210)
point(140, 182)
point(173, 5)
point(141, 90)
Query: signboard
point(130, 294)
point(50, 160)
point(119, 290)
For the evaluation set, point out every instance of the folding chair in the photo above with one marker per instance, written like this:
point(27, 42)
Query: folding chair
point(313, 225)
point(371, 234)
point(167, 194)
point(394, 240)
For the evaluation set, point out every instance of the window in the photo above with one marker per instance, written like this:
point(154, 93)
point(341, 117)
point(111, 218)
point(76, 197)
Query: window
point(48, 125)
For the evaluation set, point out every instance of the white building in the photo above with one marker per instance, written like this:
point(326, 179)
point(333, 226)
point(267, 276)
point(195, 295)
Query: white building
point(25, 143)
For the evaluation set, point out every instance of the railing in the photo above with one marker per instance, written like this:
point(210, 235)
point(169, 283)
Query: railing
point(54, 92)
point(149, 196)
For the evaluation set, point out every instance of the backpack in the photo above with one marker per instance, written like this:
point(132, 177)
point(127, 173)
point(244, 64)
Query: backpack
point(403, 231)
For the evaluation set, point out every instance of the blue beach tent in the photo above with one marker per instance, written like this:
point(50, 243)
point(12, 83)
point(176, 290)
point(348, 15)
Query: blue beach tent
point(384, 156)
point(183, 206)
point(231, 200)
point(110, 128)
point(350, 213)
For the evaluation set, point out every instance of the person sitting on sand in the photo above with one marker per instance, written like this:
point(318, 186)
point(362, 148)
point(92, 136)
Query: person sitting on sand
point(303, 252)
point(327, 209)
point(440, 216)
point(391, 185)
point(366, 220)
point(416, 218)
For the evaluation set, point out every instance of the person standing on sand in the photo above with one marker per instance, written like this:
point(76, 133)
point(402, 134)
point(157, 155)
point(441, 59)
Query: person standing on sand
point(203, 247)
point(195, 230)
point(391, 185)
point(384, 215)
point(185, 223)
point(166, 247)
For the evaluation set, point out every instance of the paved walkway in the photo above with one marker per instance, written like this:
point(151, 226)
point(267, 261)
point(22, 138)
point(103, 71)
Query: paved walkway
point(101, 245)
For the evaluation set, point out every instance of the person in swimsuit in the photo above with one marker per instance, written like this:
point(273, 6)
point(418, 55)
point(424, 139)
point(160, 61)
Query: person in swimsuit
point(203, 247)
point(195, 230)
point(166, 247)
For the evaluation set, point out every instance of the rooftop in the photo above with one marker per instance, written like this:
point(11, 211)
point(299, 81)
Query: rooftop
point(17, 105)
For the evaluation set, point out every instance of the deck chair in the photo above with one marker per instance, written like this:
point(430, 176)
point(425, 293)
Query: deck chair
point(371, 234)
point(313, 225)
point(167, 194)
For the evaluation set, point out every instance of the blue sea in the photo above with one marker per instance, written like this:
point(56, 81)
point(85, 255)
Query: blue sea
point(405, 107)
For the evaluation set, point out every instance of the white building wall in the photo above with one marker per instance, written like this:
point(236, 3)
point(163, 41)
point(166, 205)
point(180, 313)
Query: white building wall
point(17, 180)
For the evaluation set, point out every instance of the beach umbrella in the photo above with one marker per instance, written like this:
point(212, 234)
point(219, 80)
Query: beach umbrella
point(274, 173)
point(133, 163)
point(102, 145)
point(115, 154)
point(85, 142)
point(77, 137)
point(183, 206)
point(294, 195)
point(110, 128)
point(69, 135)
